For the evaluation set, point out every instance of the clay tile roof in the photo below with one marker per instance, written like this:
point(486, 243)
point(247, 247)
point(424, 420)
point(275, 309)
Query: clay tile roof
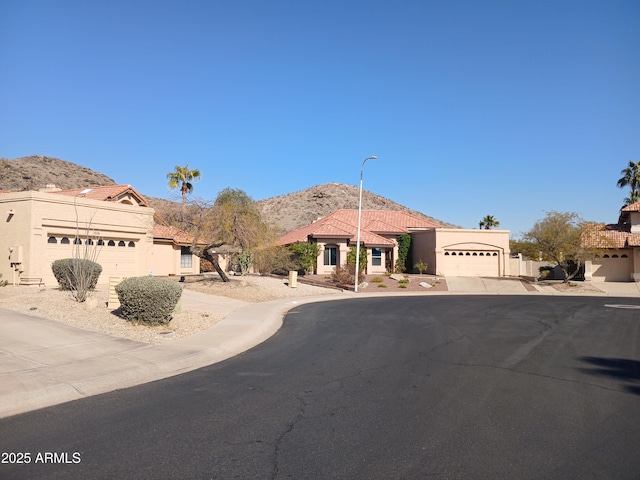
point(634, 207)
point(177, 236)
point(344, 224)
point(109, 193)
point(612, 236)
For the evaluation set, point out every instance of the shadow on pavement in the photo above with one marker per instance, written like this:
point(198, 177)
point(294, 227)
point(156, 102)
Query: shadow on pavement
point(619, 368)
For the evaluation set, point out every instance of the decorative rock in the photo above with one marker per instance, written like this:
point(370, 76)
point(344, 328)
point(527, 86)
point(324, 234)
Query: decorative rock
point(363, 285)
point(396, 276)
point(425, 285)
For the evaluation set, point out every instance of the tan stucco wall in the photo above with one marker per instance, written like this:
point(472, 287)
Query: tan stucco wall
point(490, 247)
point(38, 215)
point(166, 260)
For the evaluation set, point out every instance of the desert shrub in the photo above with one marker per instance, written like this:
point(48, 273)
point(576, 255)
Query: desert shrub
point(76, 273)
point(421, 267)
point(3, 283)
point(245, 260)
point(382, 285)
point(307, 255)
point(403, 281)
point(276, 259)
point(345, 275)
point(148, 300)
point(376, 280)
point(402, 285)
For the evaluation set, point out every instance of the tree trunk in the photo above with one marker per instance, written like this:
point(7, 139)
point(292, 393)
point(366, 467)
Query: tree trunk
point(213, 258)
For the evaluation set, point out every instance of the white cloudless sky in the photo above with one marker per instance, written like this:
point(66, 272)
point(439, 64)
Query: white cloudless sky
point(495, 107)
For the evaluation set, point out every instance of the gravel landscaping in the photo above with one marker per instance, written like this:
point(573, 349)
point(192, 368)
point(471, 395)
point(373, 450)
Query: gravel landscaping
point(94, 314)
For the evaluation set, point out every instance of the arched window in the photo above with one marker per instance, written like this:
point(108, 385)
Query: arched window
point(624, 255)
point(131, 244)
point(454, 253)
point(482, 254)
point(468, 254)
point(111, 243)
point(495, 254)
point(101, 243)
point(121, 243)
point(447, 254)
point(88, 241)
point(606, 255)
point(614, 256)
point(64, 241)
point(475, 254)
point(52, 240)
point(77, 241)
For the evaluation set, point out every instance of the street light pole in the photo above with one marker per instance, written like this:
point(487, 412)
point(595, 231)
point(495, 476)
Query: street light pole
point(372, 157)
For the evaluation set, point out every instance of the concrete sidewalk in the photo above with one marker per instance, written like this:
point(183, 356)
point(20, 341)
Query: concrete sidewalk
point(44, 362)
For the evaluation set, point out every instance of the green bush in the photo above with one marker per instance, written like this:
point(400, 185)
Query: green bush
point(3, 283)
point(72, 273)
point(148, 300)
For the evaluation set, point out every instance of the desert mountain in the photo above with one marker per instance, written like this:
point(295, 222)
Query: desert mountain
point(36, 171)
point(289, 211)
point(298, 209)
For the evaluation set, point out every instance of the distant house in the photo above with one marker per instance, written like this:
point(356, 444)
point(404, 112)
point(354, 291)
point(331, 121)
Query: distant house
point(446, 251)
point(619, 257)
point(43, 226)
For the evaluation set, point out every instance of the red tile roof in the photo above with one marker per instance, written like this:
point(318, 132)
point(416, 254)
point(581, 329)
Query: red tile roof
point(344, 224)
point(634, 207)
point(109, 193)
point(177, 236)
point(612, 236)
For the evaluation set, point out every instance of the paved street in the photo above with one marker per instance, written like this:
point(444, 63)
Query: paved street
point(378, 388)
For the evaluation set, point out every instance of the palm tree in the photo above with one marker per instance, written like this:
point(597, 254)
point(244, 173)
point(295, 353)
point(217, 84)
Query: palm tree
point(489, 222)
point(631, 178)
point(182, 177)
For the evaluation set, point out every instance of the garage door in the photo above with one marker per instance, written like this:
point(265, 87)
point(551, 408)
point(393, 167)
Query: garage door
point(470, 263)
point(615, 267)
point(118, 258)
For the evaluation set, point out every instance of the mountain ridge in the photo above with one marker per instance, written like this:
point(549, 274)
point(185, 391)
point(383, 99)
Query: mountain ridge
point(288, 212)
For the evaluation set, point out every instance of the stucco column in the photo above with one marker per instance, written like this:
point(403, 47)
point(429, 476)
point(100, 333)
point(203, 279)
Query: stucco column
point(635, 274)
point(588, 270)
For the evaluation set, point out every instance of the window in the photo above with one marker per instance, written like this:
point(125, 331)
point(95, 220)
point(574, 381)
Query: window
point(330, 256)
point(121, 243)
point(376, 257)
point(111, 243)
point(88, 241)
point(185, 257)
point(447, 253)
point(64, 241)
point(624, 255)
point(77, 241)
point(100, 243)
point(52, 240)
point(131, 244)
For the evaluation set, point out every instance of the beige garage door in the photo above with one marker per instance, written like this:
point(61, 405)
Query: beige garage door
point(470, 263)
point(118, 258)
point(615, 267)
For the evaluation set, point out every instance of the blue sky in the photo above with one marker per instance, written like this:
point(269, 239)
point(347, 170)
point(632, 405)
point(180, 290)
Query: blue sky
point(506, 108)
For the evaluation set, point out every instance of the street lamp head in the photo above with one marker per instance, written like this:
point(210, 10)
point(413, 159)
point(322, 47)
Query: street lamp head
point(372, 157)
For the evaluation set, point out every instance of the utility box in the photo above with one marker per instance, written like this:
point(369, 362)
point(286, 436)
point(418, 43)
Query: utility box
point(293, 279)
point(15, 254)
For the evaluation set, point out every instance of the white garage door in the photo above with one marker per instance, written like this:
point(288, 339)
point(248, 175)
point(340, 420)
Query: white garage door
point(470, 263)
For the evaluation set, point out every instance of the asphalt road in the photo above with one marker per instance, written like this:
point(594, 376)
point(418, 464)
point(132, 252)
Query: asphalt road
point(442, 387)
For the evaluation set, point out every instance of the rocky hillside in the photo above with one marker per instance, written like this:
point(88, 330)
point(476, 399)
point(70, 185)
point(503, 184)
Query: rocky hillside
point(298, 209)
point(36, 171)
point(289, 211)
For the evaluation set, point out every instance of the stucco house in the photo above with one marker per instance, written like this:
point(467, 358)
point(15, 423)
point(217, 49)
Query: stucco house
point(447, 251)
point(619, 257)
point(42, 226)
